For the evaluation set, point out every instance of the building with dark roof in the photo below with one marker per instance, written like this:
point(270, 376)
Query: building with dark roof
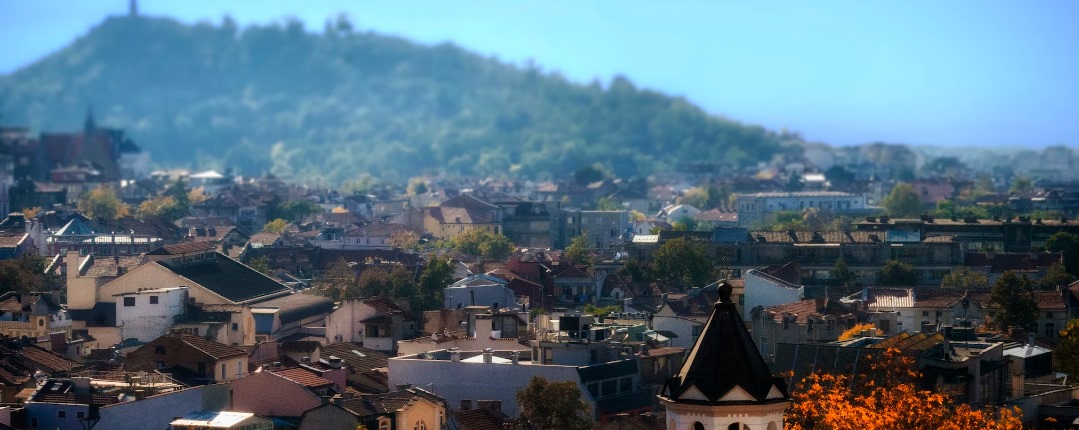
point(221, 293)
point(209, 361)
point(724, 382)
point(413, 408)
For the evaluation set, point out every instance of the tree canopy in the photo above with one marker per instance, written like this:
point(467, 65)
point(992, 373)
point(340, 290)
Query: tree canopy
point(553, 405)
point(902, 202)
point(480, 243)
point(102, 203)
point(579, 251)
point(1014, 295)
point(684, 263)
point(963, 278)
point(897, 273)
point(885, 397)
point(1068, 245)
point(281, 97)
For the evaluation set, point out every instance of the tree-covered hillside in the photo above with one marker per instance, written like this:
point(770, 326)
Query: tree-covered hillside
point(328, 107)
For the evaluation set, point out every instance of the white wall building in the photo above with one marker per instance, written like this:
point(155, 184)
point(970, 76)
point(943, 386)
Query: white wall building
point(480, 290)
point(764, 290)
point(148, 314)
point(757, 209)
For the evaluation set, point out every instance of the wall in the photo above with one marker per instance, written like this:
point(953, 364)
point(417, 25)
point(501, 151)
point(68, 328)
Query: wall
point(433, 415)
point(145, 321)
point(328, 417)
point(764, 290)
point(156, 412)
point(267, 394)
point(665, 320)
point(456, 381)
point(46, 416)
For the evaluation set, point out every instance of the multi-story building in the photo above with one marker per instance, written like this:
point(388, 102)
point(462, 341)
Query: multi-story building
point(755, 210)
point(605, 230)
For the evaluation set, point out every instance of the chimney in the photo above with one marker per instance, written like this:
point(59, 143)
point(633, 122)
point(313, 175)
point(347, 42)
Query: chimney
point(488, 353)
point(455, 354)
point(334, 362)
point(515, 357)
point(466, 405)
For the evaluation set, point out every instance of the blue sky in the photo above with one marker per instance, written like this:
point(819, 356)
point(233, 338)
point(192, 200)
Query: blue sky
point(955, 72)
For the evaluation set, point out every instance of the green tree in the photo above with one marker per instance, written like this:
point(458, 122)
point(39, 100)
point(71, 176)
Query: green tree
point(295, 210)
point(1021, 185)
point(435, 277)
point(372, 281)
point(26, 274)
point(1055, 277)
point(261, 264)
point(897, 273)
point(337, 281)
point(1066, 353)
point(684, 224)
point(553, 405)
point(276, 226)
point(1014, 295)
point(579, 252)
point(902, 202)
point(102, 203)
point(962, 278)
point(683, 263)
point(162, 206)
point(842, 274)
point(1068, 245)
point(480, 243)
point(404, 239)
point(608, 204)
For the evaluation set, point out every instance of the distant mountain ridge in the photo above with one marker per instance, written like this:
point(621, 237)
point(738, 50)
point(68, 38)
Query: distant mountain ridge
point(324, 108)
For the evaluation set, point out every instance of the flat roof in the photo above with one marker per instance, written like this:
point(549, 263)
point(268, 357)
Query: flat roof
point(223, 419)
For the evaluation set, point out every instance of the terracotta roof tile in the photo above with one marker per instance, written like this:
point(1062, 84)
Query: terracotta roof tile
point(303, 377)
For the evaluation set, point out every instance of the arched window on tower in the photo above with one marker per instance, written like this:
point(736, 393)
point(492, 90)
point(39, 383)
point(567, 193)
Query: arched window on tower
point(698, 426)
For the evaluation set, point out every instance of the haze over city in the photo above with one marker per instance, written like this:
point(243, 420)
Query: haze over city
point(959, 73)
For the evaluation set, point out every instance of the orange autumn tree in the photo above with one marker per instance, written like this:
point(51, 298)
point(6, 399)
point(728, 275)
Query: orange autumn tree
point(885, 397)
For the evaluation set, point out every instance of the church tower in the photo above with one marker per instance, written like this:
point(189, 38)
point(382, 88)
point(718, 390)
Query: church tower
point(725, 383)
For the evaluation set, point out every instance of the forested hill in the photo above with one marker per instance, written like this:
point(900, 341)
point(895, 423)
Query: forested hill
point(327, 107)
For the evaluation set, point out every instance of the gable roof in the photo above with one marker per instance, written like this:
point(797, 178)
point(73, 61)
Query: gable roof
point(228, 278)
point(724, 360)
point(214, 349)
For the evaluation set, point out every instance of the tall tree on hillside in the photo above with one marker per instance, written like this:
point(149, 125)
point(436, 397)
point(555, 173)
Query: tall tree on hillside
point(1015, 297)
point(902, 202)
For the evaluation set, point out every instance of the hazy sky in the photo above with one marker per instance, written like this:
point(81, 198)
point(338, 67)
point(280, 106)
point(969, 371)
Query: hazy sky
point(951, 72)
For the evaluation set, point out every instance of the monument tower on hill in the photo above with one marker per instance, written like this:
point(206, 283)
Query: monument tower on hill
point(725, 383)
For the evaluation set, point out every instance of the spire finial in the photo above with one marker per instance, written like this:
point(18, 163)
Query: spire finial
point(725, 290)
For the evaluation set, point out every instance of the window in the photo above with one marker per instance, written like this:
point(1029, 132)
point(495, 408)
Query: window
point(153, 300)
point(593, 389)
point(1050, 330)
point(697, 331)
point(925, 313)
point(831, 325)
point(420, 426)
point(610, 387)
point(129, 301)
point(61, 414)
point(235, 326)
point(383, 424)
point(223, 371)
point(625, 385)
point(80, 415)
point(1048, 314)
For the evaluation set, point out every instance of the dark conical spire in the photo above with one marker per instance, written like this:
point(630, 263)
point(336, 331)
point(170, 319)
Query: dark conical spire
point(724, 365)
point(90, 125)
